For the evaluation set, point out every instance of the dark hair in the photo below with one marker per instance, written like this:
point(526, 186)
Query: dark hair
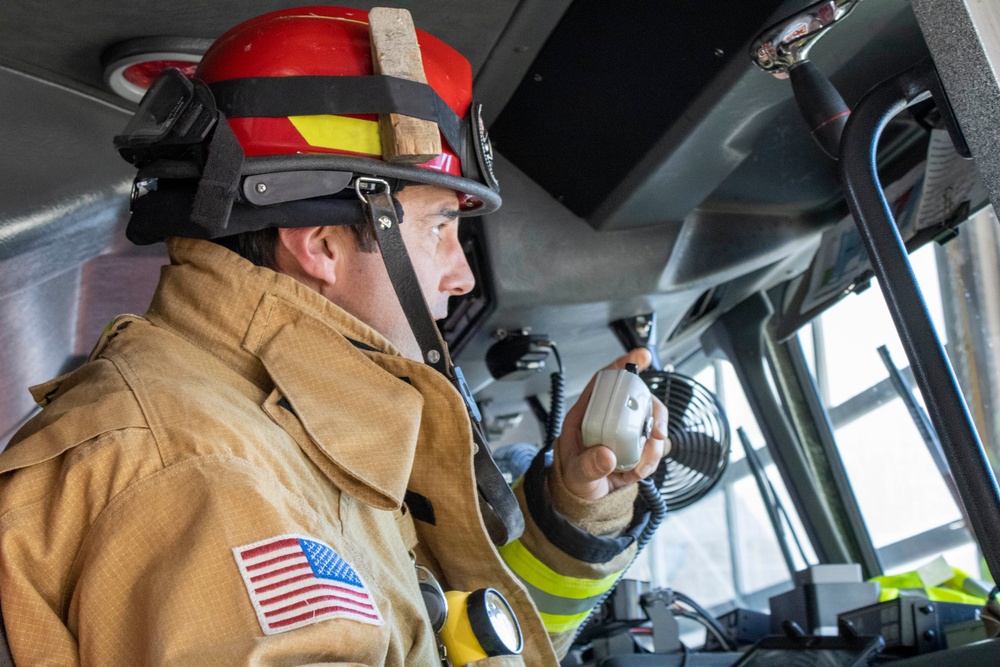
point(257, 247)
point(260, 247)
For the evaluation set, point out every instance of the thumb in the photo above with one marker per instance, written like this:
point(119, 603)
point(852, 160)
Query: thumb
point(589, 470)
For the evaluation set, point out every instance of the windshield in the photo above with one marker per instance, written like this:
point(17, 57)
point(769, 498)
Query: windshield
point(725, 550)
point(900, 479)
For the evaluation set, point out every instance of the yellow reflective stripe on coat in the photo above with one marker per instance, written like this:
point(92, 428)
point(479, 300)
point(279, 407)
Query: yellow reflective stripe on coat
point(556, 623)
point(539, 575)
point(563, 602)
point(339, 132)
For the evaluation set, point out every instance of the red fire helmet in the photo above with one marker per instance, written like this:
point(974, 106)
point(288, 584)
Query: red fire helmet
point(313, 45)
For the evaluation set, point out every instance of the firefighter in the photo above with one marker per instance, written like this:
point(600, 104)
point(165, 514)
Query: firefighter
point(270, 464)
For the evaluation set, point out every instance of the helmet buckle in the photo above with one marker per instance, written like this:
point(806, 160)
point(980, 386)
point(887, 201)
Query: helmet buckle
point(368, 185)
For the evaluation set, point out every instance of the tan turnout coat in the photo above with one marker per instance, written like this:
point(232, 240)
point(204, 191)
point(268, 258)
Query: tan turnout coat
point(243, 406)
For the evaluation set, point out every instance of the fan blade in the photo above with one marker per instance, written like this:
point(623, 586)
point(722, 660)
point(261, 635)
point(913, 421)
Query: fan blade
point(677, 398)
point(698, 451)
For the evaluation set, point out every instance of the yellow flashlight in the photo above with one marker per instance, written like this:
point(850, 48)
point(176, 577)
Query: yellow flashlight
point(480, 624)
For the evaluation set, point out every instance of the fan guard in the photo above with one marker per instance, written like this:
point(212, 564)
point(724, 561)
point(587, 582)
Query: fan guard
point(699, 435)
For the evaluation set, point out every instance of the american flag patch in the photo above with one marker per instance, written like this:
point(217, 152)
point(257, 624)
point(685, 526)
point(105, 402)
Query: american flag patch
point(295, 581)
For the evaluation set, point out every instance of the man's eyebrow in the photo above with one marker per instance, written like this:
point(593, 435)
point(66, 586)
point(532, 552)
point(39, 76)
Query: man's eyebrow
point(434, 219)
point(448, 212)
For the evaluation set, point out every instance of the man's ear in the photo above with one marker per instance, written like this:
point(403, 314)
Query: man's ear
point(311, 255)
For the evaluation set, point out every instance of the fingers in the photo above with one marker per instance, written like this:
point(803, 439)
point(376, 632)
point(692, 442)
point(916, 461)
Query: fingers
point(656, 447)
point(660, 424)
point(652, 452)
point(597, 463)
point(640, 356)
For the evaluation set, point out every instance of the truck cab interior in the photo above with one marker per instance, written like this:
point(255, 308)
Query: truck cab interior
point(775, 197)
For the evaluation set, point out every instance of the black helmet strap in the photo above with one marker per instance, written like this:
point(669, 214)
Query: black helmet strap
point(283, 96)
point(220, 181)
point(497, 503)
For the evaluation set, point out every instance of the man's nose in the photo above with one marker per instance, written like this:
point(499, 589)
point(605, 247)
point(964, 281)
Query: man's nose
point(458, 279)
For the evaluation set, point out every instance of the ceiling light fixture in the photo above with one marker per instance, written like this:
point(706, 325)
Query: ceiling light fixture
point(130, 67)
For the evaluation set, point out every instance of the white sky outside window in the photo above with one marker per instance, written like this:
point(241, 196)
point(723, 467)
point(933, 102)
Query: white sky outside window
point(761, 562)
point(690, 553)
point(965, 558)
point(899, 489)
point(854, 328)
point(741, 416)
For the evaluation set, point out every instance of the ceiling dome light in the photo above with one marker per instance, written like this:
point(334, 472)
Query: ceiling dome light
point(130, 67)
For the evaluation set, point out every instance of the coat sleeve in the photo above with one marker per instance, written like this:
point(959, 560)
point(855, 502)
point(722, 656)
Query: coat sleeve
point(573, 551)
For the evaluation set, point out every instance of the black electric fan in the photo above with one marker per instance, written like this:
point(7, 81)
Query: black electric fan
point(699, 435)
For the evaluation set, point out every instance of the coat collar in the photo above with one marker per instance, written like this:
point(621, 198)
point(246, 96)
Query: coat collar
point(279, 333)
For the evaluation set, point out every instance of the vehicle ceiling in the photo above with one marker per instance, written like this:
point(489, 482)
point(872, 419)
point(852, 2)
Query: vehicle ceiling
point(646, 166)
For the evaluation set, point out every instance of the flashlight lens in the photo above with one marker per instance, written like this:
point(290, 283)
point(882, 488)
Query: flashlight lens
point(503, 621)
point(494, 623)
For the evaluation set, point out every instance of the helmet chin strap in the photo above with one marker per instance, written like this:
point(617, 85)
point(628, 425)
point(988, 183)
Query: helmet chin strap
point(497, 503)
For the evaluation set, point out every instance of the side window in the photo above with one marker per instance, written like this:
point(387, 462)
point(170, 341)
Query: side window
point(896, 471)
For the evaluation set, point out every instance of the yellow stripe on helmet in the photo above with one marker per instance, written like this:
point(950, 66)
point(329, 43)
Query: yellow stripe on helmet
point(339, 132)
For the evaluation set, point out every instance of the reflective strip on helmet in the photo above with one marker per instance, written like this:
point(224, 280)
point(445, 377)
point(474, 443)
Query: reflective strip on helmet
point(340, 132)
point(539, 575)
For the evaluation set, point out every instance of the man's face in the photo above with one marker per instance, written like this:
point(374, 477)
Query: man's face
point(430, 232)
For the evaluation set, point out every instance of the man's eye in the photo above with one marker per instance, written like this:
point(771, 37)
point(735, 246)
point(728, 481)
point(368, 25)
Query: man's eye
point(437, 230)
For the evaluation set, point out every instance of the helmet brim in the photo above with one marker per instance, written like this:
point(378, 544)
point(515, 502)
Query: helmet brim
point(490, 199)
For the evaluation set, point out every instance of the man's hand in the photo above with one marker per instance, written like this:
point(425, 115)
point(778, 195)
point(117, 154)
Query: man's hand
point(590, 472)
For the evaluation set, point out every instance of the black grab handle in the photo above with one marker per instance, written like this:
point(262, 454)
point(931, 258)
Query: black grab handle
point(949, 414)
